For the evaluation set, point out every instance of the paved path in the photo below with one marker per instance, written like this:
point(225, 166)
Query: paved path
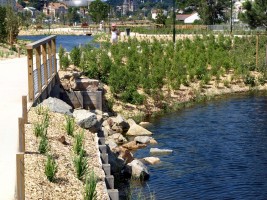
point(13, 85)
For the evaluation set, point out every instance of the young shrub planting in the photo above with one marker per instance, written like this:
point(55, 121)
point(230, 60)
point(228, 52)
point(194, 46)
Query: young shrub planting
point(65, 62)
point(50, 168)
point(43, 145)
point(69, 126)
point(90, 187)
point(78, 144)
point(61, 53)
point(81, 165)
point(39, 130)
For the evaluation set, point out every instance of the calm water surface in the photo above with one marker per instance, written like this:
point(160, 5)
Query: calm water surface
point(220, 151)
point(67, 41)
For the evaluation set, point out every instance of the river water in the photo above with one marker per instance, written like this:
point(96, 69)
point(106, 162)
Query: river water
point(220, 151)
point(220, 147)
point(68, 42)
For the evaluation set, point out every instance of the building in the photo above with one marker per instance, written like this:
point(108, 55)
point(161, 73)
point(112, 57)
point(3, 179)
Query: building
point(76, 3)
point(188, 18)
point(129, 6)
point(55, 9)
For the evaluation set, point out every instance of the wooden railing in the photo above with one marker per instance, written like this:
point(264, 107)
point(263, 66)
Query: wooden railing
point(42, 66)
point(42, 71)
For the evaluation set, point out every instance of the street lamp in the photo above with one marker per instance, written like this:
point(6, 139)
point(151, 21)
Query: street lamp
point(174, 17)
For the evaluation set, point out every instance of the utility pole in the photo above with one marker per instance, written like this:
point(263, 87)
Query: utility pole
point(174, 18)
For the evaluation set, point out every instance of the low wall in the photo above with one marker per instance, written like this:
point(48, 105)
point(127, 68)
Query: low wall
point(83, 99)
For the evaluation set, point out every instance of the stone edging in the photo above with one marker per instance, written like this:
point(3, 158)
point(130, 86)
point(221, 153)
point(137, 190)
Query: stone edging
point(103, 160)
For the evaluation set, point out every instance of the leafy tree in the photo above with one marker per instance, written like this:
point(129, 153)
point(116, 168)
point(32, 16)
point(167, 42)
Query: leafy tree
point(3, 31)
point(25, 18)
point(98, 11)
point(72, 15)
point(255, 14)
point(12, 25)
point(161, 18)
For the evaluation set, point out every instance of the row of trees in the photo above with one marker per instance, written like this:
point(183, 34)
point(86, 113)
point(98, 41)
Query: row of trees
point(213, 12)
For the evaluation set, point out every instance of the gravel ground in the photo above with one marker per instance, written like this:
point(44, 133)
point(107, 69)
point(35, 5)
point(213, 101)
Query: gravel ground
point(66, 185)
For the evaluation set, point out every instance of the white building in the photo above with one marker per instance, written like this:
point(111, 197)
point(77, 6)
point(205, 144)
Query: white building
point(192, 18)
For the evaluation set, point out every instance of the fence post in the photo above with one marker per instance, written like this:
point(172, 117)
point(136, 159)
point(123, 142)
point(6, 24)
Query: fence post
point(44, 56)
point(38, 66)
point(30, 75)
point(24, 109)
point(54, 54)
point(20, 176)
point(21, 134)
point(49, 51)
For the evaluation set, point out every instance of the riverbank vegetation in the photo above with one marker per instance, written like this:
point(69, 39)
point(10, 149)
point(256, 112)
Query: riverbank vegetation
point(144, 72)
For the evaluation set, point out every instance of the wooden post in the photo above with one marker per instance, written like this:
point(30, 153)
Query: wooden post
point(21, 135)
point(38, 66)
point(24, 109)
point(30, 75)
point(54, 54)
point(49, 51)
point(20, 176)
point(257, 49)
point(44, 56)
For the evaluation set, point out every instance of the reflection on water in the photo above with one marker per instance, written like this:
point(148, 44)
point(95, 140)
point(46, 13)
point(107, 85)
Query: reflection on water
point(220, 151)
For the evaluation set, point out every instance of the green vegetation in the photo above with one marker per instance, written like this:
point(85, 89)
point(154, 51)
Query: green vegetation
point(69, 126)
point(38, 129)
point(50, 168)
point(80, 165)
point(90, 187)
point(78, 144)
point(43, 145)
point(136, 69)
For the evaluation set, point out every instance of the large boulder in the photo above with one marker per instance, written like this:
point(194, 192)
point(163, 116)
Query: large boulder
point(133, 145)
point(116, 163)
point(143, 139)
point(118, 138)
point(138, 169)
point(160, 151)
point(86, 119)
point(111, 143)
point(57, 105)
point(151, 160)
point(121, 122)
point(136, 130)
point(124, 153)
point(84, 84)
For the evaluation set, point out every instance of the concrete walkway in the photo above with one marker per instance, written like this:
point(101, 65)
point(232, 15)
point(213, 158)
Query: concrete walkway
point(13, 85)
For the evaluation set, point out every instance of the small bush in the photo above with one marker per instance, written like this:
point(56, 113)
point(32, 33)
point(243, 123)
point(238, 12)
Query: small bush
point(43, 145)
point(61, 53)
point(75, 56)
point(65, 62)
point(78, 144)
point(69, 126)
point(50, 168)
point(90, 187)
point(81, 165)
point(39, 130)
point(250, 80)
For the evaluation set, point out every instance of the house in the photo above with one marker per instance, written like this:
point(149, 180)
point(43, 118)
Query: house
point(155, 13)
point(188, 18)
point(55, 9)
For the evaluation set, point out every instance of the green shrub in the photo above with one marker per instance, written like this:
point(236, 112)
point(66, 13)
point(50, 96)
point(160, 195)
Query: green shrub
point(61, 53)
point(250, 80)
point(78, 143)
point(90, 187)
point(43, 145)
point(50, 168)
point(75, 56)
point(65, 62)
point(69, 126)
point(80, 165)
point(39, 130)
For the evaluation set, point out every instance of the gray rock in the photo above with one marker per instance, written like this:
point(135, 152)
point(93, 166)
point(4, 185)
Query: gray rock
point(137, 130)
point(138, 169)
point(160, 151)
point(86, 119)
point(58, 106)
point(131, 122)
point(111, 143)
point(120, 121)
point(143, 139)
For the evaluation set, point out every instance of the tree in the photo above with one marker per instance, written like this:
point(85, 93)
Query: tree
point(3, 31)
point(25, 18)
point(98, 11)
point(255, 14)
point(12, 25)
point(72, 15)
point(210, 11)
point(161, 18)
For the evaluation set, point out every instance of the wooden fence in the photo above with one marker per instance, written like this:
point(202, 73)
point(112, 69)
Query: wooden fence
point(42, 70)
point(42, 66)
